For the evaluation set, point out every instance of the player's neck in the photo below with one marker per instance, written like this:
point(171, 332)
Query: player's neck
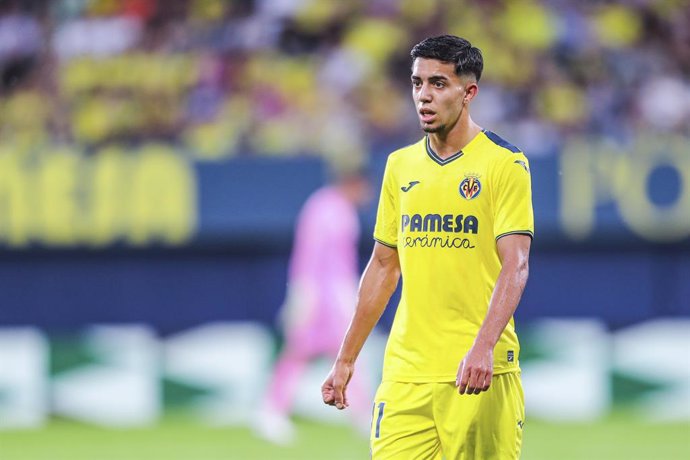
point(446, 144)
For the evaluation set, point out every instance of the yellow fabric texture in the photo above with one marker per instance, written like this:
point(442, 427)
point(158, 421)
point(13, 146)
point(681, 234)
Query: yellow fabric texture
point(433, 421)
point(444, 217)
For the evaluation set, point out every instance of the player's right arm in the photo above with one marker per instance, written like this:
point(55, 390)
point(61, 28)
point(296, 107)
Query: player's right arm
point(378, 283)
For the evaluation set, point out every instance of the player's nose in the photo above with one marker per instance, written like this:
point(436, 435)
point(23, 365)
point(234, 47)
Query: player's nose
point(425, 94)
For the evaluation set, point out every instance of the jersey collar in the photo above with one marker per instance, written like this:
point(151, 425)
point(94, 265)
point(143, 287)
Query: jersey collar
point(444, 161)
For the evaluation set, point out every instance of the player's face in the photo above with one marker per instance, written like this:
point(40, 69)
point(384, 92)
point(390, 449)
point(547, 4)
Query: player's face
point(438, 94)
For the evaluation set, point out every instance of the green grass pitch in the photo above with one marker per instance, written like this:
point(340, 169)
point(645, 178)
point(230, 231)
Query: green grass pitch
point(180, 438)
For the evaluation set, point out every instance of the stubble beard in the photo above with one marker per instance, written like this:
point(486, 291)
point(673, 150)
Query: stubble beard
point(433, 129)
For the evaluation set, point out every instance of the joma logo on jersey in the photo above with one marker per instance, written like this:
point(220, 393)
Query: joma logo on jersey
point(470, 187)
point(439, 223)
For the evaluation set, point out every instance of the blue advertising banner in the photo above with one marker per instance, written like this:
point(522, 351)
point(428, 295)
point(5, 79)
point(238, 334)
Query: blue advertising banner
point(150, 236)
point(592, 193)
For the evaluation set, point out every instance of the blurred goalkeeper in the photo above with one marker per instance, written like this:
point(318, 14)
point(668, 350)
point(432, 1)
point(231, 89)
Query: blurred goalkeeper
point(321, 291)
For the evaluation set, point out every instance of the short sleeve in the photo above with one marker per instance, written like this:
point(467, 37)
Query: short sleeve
point(386, 228)
point(513, 213)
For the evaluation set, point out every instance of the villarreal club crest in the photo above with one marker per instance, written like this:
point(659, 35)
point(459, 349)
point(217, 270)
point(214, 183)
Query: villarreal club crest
point(470, 187)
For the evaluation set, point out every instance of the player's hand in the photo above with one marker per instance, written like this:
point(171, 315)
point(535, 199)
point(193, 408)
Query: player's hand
point(476, 370)
point(334, 388)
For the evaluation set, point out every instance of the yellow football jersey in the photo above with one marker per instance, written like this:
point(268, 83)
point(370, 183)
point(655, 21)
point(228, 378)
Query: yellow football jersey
point(444, 217)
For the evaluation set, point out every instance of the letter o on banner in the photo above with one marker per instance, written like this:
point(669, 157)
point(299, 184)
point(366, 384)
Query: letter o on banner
point(665, 224)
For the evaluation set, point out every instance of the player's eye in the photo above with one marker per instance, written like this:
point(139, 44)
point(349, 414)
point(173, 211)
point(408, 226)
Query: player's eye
point(439, 84)
point(416, 83)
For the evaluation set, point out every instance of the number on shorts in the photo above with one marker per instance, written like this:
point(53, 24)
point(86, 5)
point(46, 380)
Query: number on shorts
point(378, 419)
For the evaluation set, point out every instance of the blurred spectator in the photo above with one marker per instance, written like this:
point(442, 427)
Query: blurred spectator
point(21, 41)
point(97, 37)
point(669, 107)
point(324, 77)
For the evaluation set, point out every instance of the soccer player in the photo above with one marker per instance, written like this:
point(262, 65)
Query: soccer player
point(455, 219)
point(322, 287)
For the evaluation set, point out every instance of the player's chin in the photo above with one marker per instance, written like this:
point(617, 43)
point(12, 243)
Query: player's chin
point(430, 128)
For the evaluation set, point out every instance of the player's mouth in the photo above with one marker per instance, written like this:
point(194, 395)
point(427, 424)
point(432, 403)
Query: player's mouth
point(427, 115)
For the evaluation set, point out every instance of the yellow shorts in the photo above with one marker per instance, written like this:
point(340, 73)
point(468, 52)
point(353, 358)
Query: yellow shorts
point(432, 421)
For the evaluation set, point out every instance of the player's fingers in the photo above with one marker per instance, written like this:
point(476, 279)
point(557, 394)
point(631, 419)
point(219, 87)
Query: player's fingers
point(487, 381)
point(339, 394)
point(328, 398)
point(483, 380)
point(465, 380)
point(345, 401)
point(327, 393)
point(480, 387)
point(468, 386)
point(459, 374)
point(474, 382)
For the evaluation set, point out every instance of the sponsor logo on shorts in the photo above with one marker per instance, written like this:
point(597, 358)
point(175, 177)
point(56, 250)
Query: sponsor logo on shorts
point(511, 356)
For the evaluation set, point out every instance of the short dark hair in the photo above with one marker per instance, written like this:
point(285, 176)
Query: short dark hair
point(468, 59)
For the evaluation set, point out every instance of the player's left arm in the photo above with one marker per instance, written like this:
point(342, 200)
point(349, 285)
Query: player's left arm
point(476, 369)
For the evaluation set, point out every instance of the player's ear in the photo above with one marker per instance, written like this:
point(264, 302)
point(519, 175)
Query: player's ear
point(471, 91)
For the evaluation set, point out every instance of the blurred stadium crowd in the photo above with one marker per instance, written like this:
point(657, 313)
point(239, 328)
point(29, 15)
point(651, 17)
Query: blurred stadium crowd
point(220, 78)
